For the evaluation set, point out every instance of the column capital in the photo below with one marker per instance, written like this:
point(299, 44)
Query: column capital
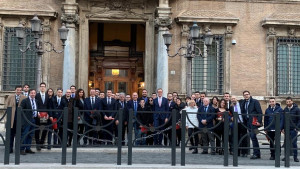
point(70, 14)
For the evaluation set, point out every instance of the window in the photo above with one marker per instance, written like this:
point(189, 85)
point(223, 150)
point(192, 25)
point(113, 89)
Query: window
point(288, 66)
point(18, 68)
point(208, 71)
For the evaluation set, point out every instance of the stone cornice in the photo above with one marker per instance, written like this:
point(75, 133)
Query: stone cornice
point(25, 12)
point(207, 16)
point(282, 19)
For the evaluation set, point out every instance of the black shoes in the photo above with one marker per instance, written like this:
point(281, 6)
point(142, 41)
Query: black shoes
point(296, 159)
point(191, 148)
point(254, 157)
point(11, 151)
point(195, 151)
point(22, 152)
point(29, 151)
point(244, 155)
point(272, 158)
point(38, 148)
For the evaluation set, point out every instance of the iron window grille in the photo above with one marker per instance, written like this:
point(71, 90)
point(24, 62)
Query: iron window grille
point(208, 71)
point(18, 68)
point(288, 66)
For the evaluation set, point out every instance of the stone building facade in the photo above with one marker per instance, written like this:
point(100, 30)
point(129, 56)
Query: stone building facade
point(105, 36)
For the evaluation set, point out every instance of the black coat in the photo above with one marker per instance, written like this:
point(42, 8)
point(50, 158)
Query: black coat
point(40, 103)
point(125, 111)
point(254, 110)
point(144, 118)
point(28, 114)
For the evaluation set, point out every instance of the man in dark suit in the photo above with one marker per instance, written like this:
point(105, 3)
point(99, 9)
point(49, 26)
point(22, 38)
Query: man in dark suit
point(206, 122)
point(121, 104)
point(108, 103)
point(90, 117)
point(73, 91)
point(144, 97)
point(226, 97)
point(134, 104)
point(29, 104)
point(68, 102)
point(160, 104)
point(26, 88)
point(42, 102)
point(168, 134)
point(236, 107)
point(57, 104)
point(251, 108)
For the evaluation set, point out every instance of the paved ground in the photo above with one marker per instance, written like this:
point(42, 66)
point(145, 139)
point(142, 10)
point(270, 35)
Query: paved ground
point(140, 156)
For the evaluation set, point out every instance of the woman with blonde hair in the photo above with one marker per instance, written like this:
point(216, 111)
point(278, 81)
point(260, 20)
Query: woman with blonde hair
point(192, 124)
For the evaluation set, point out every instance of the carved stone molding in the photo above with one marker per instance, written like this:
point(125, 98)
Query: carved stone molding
point(291, 32)
point(185, 30)
point(119, 5)
point(229, 32)
point(70, 18)
point(46, 25)
point(271, 33)
point(163, 21)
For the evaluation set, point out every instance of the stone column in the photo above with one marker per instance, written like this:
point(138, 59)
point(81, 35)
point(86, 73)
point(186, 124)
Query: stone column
point(70, 17)
point(149, 56)
point(1, 52)
point(46, 55)
point(271, 37)
point(163, 21)
point(228, 33)
point(83, 61)
point(183, 60)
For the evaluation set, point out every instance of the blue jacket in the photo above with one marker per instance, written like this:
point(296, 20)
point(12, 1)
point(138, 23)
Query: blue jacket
point(163, 108)
point(270, 118)
point(204, 116)
point(295, 119)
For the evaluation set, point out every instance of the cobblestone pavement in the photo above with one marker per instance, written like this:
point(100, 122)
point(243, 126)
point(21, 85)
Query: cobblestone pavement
point(140, 156)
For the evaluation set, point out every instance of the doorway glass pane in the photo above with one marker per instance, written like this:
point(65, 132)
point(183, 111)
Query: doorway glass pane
point(109, 85)
point(122, 87)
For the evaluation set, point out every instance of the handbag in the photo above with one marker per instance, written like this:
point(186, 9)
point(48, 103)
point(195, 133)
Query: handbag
point(43, 117)
point(54, 122)
point(254, 121)
point(144, 129)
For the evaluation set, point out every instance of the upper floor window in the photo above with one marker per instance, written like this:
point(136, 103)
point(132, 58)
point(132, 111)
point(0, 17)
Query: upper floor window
point(208, 71)
point(18, 68)
point(288, 66)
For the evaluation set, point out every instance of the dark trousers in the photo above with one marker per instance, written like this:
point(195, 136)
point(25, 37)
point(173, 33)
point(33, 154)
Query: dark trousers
point(178, 135)
point(242, 131)
point(39, 140)
point(271, 135)
point(195, 139)
point(90, 134)
point(70, 133)
point(12, 136)
point(80, 131)
point(293, 135)
point(123, 132)
point(255, 144)
point(107, 135)
point(26, 135)
point(158, 138)
point(210, 137)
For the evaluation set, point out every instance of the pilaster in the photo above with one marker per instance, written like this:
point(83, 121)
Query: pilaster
point(71, 19)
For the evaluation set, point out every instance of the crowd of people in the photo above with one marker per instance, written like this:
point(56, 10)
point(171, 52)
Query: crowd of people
point(204, 123)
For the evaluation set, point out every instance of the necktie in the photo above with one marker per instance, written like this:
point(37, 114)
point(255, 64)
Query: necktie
point(135, 106)
point(109, 100)
point(58, 101)
point(246, 108)
point(43, 98)
point(159, 102)
point(122, 104)
point(205, 109)
point(33, 108)
point(93, 102)
point(18, 99)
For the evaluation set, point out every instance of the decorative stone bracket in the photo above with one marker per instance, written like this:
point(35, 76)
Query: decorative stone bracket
point(163, 22)
point(70, 18)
